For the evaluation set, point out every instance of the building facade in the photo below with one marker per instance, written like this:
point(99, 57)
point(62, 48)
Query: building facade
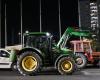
point(90, 17)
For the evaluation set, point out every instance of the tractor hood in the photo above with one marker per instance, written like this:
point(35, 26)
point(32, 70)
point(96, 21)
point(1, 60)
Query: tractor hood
point(69, 52)
point(66, 51)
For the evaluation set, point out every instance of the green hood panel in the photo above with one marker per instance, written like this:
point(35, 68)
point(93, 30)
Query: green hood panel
point(65, 51)
point(81, 33)
point(61, 50)
point(69, 52)
point(72, 31)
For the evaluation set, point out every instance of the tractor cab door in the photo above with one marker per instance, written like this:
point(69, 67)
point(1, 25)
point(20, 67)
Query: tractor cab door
point(43, 44)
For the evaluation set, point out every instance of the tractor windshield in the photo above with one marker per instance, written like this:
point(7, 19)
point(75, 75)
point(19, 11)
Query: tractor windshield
point(34, 41)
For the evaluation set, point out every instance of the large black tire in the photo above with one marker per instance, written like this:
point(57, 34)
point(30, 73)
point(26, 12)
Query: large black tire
point(66, 65)
point(83, 60)
point(29, 63)
point(14, 66)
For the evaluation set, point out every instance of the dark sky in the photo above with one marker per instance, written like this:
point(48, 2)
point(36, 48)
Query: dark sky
point(69, 17)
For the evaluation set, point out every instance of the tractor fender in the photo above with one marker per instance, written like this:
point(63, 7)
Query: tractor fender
point(61, 56)
point(86, 55)
point(89, 57)
point(31, 49)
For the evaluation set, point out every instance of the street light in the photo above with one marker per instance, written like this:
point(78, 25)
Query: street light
point(40, 18)
point(79, 14)
point(21, 23)
point(59, 19)
point(27, 31)
point(5, 27)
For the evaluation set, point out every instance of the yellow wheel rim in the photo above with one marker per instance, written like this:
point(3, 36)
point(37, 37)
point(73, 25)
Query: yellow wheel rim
point(29, 63)
point(67, 66)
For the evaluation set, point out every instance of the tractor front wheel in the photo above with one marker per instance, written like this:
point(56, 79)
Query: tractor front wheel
point(66, 65)
point(29, 63)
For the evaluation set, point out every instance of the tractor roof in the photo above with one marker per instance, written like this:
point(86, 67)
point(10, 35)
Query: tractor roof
point(35, 33)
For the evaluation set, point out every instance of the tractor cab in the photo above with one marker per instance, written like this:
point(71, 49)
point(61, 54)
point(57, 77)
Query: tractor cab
point(37, 40)
point(81, 46)
point(85, 48)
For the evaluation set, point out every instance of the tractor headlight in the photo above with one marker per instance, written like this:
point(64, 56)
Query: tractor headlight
point(48, 34)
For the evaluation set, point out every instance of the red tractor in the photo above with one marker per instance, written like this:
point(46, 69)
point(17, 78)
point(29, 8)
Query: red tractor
point(85, 53)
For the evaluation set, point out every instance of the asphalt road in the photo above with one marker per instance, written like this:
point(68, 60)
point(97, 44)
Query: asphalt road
point(89, 73)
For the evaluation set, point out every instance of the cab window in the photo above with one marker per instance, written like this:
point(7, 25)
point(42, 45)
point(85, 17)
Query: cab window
point(4, 54)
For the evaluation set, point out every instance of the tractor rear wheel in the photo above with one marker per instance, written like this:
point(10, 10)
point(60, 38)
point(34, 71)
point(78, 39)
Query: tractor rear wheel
point(66, 65)
point(81, 60)
point(29, 63)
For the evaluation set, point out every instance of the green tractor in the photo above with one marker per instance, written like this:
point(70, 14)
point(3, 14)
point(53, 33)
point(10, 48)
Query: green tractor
point(39, 50)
